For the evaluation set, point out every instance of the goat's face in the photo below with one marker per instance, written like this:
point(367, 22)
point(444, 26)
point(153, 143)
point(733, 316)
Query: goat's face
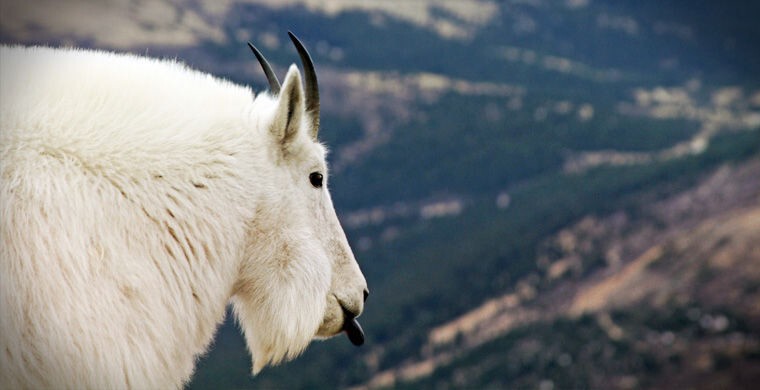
point(299, 279)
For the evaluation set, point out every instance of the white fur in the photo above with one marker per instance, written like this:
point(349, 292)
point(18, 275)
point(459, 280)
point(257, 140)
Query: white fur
point(138, 198)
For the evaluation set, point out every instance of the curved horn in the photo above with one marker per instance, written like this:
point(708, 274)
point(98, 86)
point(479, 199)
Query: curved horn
point(274, 84)
point(312, 89)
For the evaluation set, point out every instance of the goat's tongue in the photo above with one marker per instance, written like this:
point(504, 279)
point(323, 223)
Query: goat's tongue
point(354, 331)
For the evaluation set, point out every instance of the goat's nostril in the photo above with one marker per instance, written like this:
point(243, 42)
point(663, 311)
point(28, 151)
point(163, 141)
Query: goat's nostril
point(366, 294)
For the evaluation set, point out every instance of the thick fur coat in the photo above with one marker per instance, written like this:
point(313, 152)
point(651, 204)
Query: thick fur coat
point(139, 198)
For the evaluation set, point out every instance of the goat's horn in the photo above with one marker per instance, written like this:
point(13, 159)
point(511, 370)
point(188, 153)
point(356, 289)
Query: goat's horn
point(274, 84)
point(312, 89)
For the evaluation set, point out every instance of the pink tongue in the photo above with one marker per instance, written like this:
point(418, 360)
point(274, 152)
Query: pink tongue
point(354, 332)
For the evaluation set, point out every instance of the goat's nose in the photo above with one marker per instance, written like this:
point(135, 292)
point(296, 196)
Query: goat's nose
point(366, 294)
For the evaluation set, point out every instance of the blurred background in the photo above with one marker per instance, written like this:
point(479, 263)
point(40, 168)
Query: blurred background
point(542, 194)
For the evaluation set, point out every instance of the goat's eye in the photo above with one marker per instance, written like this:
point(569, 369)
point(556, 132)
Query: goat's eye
point(316, 179)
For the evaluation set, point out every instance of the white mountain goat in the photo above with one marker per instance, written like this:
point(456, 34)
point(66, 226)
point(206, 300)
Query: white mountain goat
point(139, 198)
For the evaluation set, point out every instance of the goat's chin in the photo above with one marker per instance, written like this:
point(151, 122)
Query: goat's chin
point(332, 323)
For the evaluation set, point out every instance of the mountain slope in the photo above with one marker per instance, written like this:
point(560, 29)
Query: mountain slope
point(695, 253)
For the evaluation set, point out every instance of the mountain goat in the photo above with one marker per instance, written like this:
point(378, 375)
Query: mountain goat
point(139, 198)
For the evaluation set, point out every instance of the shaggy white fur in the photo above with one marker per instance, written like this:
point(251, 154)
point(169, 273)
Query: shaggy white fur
point(138, 198)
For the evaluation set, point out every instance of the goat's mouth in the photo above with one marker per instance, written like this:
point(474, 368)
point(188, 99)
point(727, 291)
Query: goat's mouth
point(352, 328)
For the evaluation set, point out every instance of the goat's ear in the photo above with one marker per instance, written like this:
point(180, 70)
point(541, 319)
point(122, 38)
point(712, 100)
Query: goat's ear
point(290, 109)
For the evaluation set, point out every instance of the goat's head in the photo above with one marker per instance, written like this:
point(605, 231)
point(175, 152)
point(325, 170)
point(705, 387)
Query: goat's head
point(299, 279)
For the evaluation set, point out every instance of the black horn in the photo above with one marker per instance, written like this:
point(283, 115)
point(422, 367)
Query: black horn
point(312, 89)
point(274, 84)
